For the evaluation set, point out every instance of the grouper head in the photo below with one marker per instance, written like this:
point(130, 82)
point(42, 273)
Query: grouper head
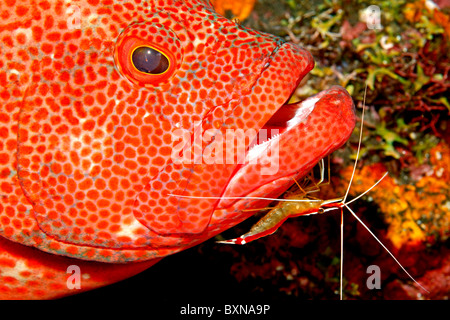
point(132, 130)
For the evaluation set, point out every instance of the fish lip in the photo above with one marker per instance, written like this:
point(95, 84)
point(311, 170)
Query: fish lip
point(334, 103)
point(303, 108)
point(307, 65)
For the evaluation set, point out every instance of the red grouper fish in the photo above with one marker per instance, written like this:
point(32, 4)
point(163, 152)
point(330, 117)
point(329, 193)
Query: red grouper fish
point(130, 130)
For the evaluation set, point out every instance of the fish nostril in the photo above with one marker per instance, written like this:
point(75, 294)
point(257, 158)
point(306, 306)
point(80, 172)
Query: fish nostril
point(149, 60)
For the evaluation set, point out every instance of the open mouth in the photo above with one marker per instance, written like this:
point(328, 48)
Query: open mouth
point(290, 144)
point(290, 115)
point(285, 118)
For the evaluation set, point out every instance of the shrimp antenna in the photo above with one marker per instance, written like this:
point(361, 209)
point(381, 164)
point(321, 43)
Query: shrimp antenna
point(243, 198)
point(343, 203)
point(387, 250)
point(341, 275)
point(359, 145)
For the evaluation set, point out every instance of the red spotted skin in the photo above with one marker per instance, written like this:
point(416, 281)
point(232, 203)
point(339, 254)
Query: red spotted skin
point(86, 164)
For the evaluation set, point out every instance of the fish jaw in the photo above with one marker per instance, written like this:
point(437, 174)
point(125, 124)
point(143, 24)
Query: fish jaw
point(320, 125)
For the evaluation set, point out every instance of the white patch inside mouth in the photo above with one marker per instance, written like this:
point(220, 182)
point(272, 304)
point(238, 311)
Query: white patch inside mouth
point(302, 112)
point(255, 152)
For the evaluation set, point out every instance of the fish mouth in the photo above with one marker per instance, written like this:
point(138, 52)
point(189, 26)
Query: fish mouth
point(286, 117)
point(291, 115)
point(291, 142)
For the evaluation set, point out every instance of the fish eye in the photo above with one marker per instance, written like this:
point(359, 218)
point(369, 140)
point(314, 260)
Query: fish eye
point(148, 54)
point(149, 60)
point(321, 210)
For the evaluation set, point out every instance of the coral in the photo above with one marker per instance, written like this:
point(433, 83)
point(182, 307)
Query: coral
point(412, 220)
point(415, 212)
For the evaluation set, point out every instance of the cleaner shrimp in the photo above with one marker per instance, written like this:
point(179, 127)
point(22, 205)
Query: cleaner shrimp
point(305, 205)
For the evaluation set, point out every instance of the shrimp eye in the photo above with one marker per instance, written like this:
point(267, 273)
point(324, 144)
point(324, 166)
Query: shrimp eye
point(149, 60)
point(321, 210)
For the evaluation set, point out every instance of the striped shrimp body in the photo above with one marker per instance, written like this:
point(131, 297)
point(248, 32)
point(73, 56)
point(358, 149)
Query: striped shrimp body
point(277, 216)
point(295, 205)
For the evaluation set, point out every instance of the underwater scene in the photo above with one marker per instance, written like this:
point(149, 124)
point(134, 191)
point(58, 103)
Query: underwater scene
point(400, 51)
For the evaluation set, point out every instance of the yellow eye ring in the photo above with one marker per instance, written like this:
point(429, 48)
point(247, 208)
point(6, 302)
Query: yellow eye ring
point(145, 57)
point(150, 60)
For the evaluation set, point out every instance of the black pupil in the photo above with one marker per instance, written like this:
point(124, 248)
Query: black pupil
point(149, 60)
